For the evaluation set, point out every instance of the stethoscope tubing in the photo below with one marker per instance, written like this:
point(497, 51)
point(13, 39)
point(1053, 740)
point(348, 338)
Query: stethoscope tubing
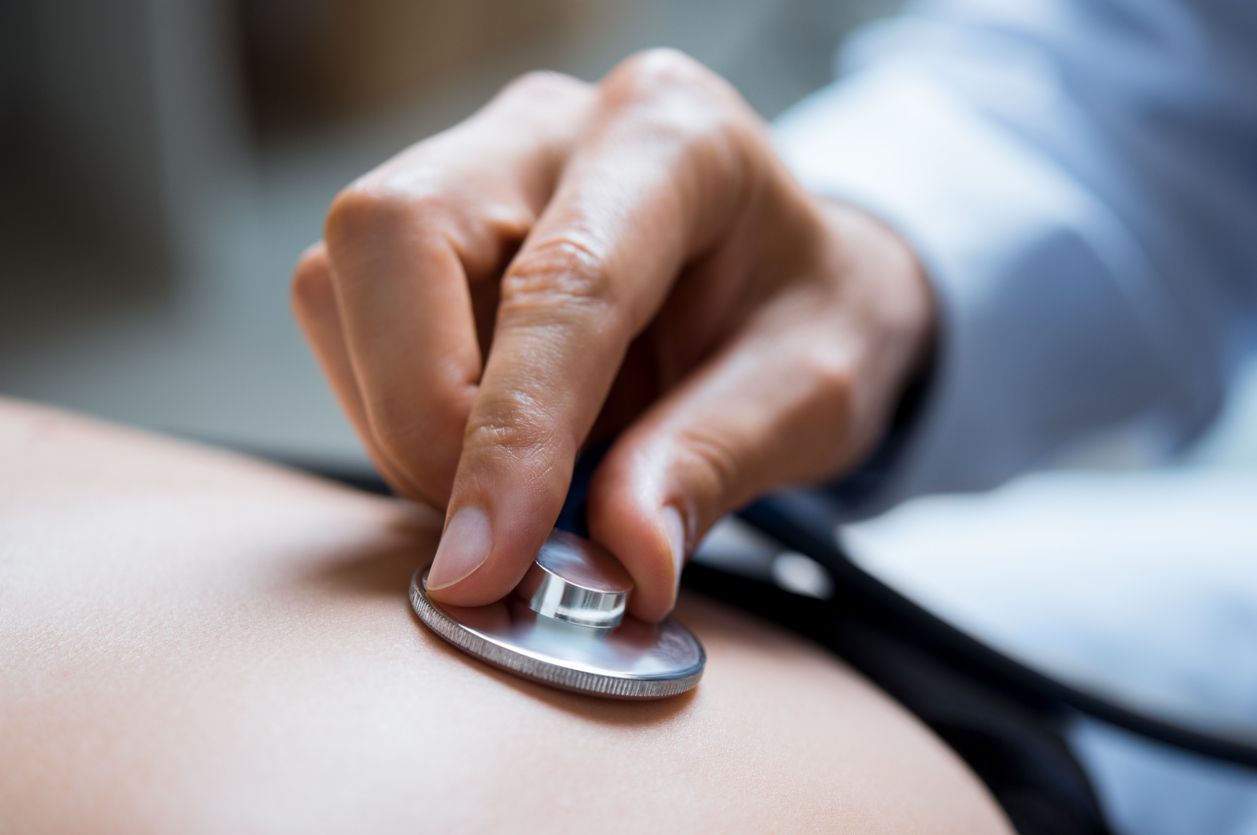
point(803, 524)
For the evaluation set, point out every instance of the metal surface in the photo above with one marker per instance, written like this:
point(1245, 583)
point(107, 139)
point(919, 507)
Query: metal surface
point(576, 581)
point(538, 633)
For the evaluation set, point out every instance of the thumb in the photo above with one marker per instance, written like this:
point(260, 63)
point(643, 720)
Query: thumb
point(747, 422)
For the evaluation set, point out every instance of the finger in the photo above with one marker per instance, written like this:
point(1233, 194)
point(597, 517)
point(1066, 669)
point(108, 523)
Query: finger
point(798, 393)
point(767, 410)
point(646, 189)
point(405, 242)
point(318, 314)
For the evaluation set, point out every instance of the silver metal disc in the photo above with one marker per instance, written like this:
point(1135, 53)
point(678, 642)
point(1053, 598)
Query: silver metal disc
point(635, 660)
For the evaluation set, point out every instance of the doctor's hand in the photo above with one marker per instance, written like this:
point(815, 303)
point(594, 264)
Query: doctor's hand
point(577, 261)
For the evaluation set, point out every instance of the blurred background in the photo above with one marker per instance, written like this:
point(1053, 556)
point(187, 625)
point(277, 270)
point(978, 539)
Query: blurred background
point(164, 164)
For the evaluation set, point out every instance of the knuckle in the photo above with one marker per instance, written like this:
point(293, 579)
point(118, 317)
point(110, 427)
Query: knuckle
point(359, 210)
point(713, 470)
point(661, 69)
point(513, 423)
point(311, 288)
point(673, 97)
point(544, 86)
point(365, 213)
point(561, 279)
point(834, 383)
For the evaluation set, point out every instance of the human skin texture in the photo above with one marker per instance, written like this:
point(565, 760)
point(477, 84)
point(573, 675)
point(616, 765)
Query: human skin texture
point(626, 260)
point(192, 641)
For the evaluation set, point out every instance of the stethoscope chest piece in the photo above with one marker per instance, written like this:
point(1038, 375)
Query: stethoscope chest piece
point(566, 625)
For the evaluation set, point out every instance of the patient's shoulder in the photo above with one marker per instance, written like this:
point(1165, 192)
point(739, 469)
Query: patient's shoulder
point(190, 639)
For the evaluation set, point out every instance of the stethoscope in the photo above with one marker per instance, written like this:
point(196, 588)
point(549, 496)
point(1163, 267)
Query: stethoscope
point(571, 631)
point(804, 524)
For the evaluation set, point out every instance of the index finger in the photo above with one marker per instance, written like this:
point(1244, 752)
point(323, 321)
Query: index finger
point(646, 188)
point(405, 242)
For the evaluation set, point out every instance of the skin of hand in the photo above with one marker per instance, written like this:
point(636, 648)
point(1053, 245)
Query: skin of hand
point(625, 259)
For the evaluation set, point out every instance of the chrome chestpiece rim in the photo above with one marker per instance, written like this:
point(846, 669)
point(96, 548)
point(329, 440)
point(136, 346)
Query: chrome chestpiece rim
point(566, 626)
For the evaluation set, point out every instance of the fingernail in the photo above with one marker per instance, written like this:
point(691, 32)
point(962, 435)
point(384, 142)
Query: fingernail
point(674, 529)
point(464, 548)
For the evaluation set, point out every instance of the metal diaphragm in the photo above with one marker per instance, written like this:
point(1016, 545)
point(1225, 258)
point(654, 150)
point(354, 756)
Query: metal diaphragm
point(566, 626)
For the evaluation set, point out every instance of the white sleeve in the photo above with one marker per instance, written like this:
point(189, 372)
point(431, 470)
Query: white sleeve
point(1080, 181)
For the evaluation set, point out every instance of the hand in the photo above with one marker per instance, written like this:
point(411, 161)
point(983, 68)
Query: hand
point(579, 260)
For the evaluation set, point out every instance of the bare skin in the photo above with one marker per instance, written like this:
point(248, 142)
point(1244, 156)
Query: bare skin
point(194, 641)
point(578, 260)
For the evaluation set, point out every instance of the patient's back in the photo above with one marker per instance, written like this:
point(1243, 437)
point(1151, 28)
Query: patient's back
point(193, 641)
